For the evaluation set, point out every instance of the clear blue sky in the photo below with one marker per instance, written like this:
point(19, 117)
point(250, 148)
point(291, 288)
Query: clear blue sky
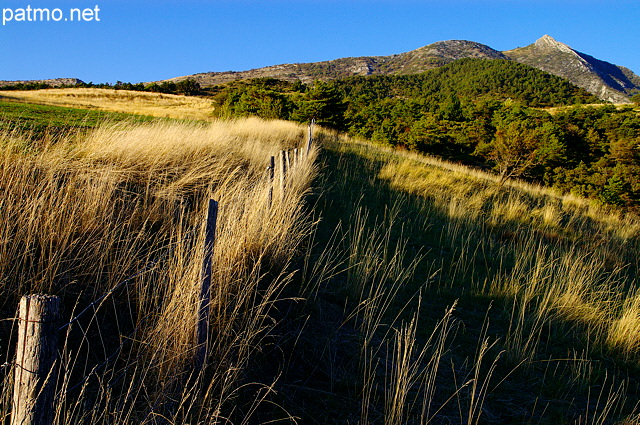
point(151, 40)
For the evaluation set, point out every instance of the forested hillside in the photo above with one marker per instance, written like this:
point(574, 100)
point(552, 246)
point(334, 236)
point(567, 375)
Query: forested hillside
point(487, 113)
point(472, 79)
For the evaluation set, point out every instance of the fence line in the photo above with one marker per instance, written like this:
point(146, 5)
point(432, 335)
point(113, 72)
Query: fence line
point(108, 293)
point(202, 325)
point(151, 264)
point(47, 337)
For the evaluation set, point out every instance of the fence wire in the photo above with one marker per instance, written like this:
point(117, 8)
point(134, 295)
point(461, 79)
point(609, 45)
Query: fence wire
point(97, 304)
point(107, 294)
point(150, 265)
point(111, 357)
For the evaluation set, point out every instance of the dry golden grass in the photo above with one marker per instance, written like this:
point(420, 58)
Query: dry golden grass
point(564, 258)
point(81, 214)
point(475, 194)
point(134, 102)
point(561, 272)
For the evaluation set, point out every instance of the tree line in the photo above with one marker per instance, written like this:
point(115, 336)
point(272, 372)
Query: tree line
point(188, 87)
point(492, 114)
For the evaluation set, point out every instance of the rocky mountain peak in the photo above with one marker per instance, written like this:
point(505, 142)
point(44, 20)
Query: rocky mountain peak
point(458, 49)
point(605, 80)
point(549, 43)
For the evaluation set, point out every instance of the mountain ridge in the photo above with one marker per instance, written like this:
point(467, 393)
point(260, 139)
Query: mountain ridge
point(415, 61)
point(611, 83)
point(53, 82)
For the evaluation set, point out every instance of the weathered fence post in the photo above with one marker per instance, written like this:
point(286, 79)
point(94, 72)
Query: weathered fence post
point(283, 173)
point(288, 156)
point(35, 370)
point(311, 124)
point(270, 173)
point(202, 326)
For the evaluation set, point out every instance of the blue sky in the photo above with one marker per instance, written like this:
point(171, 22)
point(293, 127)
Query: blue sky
point(152, 40)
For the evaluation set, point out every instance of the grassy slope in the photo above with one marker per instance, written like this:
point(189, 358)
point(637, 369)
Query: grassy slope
point(400, 241)
point(55, 116)
point(544, 283)
point(82, 213)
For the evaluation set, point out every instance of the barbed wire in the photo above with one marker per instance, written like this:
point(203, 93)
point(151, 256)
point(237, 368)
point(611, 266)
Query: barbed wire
point(138, 273)
point(189, 235)
point(96, 368)
point(106, 294)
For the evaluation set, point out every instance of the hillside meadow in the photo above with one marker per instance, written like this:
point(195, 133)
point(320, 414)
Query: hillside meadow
point(125, 202)
point(124, 101)
point(490, 303)
point(382, 287)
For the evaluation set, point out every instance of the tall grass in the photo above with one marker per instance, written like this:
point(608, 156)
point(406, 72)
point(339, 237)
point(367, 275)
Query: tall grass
point(561, 256)
point(404, 337)
point(433, 295)
point(562, 269)
point(80, 214)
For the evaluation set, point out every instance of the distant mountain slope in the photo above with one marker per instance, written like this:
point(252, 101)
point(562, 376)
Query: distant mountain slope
point(413, 62)
point(607, 81)
point(54, 82)
point(470, 78)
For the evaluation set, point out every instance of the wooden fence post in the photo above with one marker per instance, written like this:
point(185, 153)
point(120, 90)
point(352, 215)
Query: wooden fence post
point(35, 370)
point(270, 172)
point(283, 173)
point(202, 326)
point(311, 124)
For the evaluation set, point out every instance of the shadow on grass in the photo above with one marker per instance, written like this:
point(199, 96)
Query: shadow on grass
point(566, 378)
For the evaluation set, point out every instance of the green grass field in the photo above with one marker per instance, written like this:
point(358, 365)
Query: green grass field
point(55, 116)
